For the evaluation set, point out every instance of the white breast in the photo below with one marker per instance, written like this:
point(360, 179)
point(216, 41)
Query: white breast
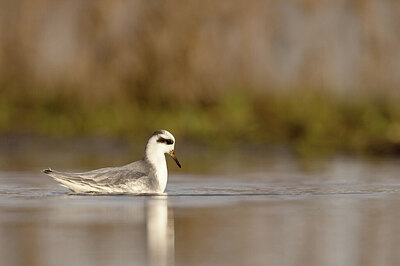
point(162, 176)
point(161, 172)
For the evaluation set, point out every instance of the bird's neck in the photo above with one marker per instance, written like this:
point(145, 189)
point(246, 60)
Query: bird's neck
point(157, 160)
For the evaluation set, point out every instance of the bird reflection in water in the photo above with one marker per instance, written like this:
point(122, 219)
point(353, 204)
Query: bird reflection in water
point(160, 232)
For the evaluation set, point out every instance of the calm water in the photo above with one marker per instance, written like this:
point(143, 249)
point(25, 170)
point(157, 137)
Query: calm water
point(341, 212)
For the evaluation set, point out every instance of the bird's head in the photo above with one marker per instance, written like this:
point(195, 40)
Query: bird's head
point(162, 141)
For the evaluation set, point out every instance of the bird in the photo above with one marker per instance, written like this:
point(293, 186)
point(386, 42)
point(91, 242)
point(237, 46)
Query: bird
point(146, 176)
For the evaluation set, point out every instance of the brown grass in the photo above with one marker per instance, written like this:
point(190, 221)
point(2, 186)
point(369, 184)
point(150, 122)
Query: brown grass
point(241, 69)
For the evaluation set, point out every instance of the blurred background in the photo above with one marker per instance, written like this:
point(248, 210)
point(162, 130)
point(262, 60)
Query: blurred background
point(286, 116)
point(315, 77)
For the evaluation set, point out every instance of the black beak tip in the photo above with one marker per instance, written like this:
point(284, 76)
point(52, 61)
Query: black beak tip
point(176, 160)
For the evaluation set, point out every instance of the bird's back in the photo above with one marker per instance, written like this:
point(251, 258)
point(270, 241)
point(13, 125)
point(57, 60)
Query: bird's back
point(136, 177)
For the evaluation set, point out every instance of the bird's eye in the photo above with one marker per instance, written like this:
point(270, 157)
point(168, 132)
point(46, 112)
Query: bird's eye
point(166, 141)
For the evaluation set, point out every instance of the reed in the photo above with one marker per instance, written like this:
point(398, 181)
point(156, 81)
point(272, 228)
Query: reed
point(318, 75)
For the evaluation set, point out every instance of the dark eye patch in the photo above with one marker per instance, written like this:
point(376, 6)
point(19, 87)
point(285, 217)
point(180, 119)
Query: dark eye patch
point(166, 141)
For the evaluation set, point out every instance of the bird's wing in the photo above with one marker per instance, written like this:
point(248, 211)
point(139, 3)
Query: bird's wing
point(115, 176)
point(110, 175)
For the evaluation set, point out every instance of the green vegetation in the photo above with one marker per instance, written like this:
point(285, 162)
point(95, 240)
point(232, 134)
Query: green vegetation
point(310, 121)
point(210, 72)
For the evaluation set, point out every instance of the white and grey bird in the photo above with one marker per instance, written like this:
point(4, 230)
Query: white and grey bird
point(148, 175)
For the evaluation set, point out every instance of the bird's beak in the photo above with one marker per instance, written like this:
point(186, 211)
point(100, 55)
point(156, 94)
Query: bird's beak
point(175, 159)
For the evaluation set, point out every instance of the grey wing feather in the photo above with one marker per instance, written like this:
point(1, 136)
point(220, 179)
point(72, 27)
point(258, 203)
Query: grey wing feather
point(117, 176)
point(110, 176)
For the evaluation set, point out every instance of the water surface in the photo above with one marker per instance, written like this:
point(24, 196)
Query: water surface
point(345, 212)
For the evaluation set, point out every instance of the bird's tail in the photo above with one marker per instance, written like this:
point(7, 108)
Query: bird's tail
point(47, 171)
